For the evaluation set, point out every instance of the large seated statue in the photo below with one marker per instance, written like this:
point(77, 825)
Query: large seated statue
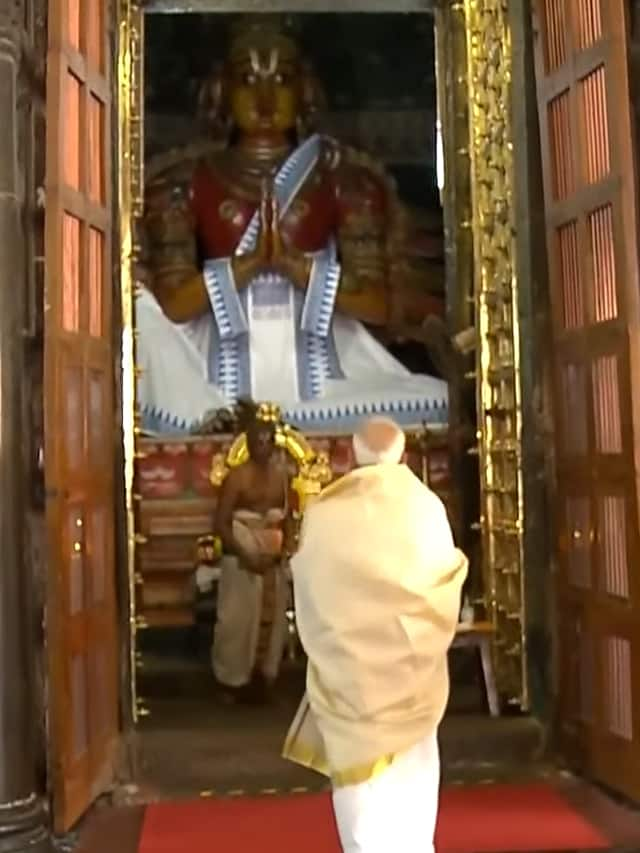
point(267, 256)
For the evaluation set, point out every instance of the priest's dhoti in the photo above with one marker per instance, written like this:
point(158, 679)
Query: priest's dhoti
point(251, 625)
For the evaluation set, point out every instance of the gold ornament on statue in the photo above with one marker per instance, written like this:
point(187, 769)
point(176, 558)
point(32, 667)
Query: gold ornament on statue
point(219, 470)
point(269, 413)
point(312, 477)
point(238, 453)
point(208, 550)
point(295, 444)
point(313, 469)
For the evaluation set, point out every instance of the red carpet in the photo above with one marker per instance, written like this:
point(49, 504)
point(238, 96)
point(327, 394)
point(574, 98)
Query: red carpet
point(486, 819)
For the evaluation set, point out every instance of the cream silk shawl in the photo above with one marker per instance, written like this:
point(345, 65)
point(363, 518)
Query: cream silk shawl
point(377, 583)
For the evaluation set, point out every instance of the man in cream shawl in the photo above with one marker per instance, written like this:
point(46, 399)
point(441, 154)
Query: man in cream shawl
point(377, 582)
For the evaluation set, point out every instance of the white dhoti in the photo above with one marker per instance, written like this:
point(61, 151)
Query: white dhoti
point(251, 621)
point(395, 810)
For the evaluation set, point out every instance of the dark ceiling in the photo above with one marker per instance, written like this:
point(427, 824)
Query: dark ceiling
point(370, 61)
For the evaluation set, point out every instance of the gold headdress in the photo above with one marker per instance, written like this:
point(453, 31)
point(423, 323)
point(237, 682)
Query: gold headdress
point(268, 413)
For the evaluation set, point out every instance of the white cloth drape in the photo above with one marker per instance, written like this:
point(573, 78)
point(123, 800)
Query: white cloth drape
point(173, 361)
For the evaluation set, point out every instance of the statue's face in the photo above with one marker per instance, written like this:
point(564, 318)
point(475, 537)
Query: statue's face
point(265, 91)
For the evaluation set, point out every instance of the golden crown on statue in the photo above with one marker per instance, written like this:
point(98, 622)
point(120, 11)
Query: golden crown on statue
point(269, 413)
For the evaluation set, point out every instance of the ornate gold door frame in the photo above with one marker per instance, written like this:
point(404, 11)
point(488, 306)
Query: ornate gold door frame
point(484, 78)
point(131, 184)
point(498, 382)
point(474, 38)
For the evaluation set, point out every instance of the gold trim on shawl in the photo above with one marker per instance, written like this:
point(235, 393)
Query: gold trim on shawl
point(363, 773)
point(314, 758)
point(299, 751)
point(305, 755)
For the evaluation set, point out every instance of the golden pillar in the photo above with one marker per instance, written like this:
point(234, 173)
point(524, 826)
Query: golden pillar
point(131, 198)
point(498, 381)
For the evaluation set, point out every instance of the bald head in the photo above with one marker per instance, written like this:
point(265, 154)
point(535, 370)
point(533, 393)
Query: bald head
point(378, 441)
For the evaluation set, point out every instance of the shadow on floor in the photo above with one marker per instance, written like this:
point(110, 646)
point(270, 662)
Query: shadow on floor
point(193, 744)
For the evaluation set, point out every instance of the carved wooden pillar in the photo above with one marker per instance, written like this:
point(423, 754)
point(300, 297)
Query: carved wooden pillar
point(23, 819)
point(537, 441)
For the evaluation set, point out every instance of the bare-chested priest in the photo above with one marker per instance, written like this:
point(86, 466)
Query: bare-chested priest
point(250, 630)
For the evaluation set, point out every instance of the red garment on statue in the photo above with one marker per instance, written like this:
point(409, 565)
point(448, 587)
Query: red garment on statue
point(326, 201)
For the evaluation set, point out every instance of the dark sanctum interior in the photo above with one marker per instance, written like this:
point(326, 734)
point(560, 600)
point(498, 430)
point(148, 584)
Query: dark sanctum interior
point(377, 102)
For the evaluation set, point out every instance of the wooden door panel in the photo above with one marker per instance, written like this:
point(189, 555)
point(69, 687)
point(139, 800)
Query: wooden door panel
point(80, 455)
point(572, 407)
point(576, 700)
point(589, 168)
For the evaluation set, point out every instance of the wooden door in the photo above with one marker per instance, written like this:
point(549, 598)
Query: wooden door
point(590, 197)
point(79, 418)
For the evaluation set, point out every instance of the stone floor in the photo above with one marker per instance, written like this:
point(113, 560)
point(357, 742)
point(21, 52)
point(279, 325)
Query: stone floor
point(193, 745)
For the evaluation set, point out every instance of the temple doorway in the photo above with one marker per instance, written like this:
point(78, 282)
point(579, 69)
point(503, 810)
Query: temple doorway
point(165, 615)
point(376, 95)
